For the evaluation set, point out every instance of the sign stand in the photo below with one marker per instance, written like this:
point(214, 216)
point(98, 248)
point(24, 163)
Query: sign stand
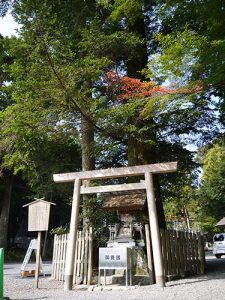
point(32, 246)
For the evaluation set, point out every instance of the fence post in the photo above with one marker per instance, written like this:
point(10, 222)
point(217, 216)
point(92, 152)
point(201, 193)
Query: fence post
point(90, 257)
point(1, 271)
point(149, 254)
point(201, 253)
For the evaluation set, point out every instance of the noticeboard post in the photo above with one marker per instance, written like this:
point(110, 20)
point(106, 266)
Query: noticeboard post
point(38, 220)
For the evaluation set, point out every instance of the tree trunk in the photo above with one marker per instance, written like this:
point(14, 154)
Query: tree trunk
point(140, 152)
point(187, 218)
point(87, 131)
point(5, 207)
point(88, 158)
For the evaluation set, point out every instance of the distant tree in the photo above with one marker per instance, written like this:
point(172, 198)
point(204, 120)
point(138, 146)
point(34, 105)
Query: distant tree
point(212, 189)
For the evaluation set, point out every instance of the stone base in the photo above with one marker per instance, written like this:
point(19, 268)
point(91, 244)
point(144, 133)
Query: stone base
point(136, 280)
point(121, 280)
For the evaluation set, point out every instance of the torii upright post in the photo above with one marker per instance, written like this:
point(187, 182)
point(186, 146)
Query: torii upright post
point(70, 254)
point(155, 236)
point(147, 171)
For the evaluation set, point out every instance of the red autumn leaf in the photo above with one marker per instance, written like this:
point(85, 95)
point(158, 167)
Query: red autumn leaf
point(125, 87)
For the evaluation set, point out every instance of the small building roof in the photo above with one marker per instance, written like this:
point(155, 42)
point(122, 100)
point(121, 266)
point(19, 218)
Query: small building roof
point(221, 222)
point(125, 201)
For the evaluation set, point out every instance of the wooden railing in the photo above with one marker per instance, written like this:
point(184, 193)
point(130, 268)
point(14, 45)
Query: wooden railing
point(83, 257)
point(183, 253)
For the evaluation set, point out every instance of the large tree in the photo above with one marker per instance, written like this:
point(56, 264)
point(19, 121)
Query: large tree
point(192, 49)
point(60, 61)
point(54, 75)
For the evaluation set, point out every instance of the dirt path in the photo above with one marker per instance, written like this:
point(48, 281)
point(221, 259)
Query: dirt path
point(208, 286)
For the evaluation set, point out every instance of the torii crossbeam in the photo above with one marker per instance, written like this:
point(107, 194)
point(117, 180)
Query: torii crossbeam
point(147, 171)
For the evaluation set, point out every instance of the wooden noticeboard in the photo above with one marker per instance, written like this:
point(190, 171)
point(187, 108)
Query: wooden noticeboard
point(38, 215)
point(38, 220)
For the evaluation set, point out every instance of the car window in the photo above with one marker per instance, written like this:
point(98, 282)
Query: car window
point(219, 238)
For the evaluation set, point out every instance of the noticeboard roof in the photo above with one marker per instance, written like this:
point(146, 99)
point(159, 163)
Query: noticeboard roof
point(38, 200)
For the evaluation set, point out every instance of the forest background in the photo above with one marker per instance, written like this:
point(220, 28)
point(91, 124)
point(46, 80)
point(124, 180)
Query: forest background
point(97, 84)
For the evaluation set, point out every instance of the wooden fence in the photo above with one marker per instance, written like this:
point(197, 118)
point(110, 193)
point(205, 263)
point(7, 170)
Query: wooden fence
point(183, 253)
point(83, 257)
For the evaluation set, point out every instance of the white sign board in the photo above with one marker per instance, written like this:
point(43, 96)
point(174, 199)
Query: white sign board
point(114, 258)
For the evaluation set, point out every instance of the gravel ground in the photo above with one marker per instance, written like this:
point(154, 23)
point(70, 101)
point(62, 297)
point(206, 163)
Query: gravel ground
point(208, 286)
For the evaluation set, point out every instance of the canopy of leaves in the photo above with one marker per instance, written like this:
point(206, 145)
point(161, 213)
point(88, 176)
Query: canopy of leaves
point(63, 67)
point(194, 46)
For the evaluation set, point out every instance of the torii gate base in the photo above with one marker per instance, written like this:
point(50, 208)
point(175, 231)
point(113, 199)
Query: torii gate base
point(147, 171)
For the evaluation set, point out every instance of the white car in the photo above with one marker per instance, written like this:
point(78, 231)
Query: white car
point(219, 244)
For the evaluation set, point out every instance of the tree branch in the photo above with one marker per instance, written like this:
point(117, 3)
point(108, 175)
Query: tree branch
point(69, 97)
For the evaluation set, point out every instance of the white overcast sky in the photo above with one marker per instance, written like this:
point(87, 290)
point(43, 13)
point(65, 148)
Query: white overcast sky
point(8, 26)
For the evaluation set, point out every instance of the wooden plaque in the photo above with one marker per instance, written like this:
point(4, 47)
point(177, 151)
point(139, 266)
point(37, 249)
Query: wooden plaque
point(38, 219)
point(38, 215)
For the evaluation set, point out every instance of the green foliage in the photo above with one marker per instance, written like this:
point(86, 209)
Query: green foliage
point(193, 44)
point(60, 230)
point(183, 204)
point(180, 56)
point(16, 255)
point(98, 219)
point(131, 10)
point(212, 190)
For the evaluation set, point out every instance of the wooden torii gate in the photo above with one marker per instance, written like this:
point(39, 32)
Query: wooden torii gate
point(147, 184)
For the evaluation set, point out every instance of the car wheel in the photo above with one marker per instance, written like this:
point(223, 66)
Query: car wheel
point(218, 255)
